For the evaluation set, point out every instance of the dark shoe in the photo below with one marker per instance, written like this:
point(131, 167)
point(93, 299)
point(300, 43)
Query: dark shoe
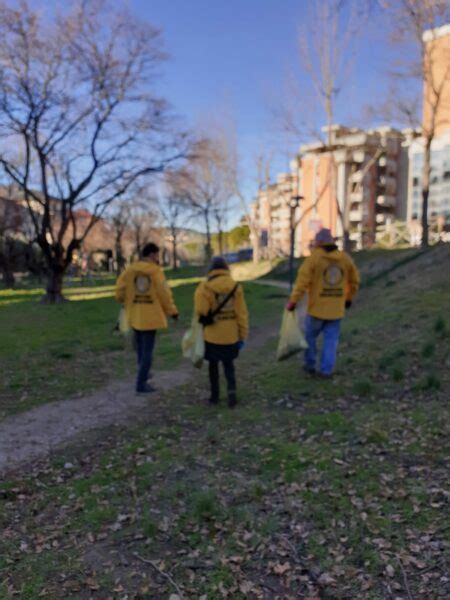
point(325, 375)
point(213, 400)
point(309, 370)
point(147, 389)
point(232, 400)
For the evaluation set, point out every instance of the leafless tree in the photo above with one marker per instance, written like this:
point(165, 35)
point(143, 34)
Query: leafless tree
point(174, 208)
point(326, 47)
point(16, 234)
point(120, 219)
point(412, 19)
point(79, 118)
point(143, 217)
point(205, 184)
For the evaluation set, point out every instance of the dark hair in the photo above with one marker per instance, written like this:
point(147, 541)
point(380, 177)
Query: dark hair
point(218, 262)
point(149, 248)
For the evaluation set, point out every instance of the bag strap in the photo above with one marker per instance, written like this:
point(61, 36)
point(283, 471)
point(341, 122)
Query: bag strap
point(224, 301)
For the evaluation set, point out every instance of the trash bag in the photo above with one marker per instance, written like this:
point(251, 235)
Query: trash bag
point(292, 339)
point(193, 344)
point(122, 322)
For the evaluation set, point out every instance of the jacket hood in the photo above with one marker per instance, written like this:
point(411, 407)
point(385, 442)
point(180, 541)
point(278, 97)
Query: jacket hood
point(220, 281)
point(330, 252)
point(144, 265)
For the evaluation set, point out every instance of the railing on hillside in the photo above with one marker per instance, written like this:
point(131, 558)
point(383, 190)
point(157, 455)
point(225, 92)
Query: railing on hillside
point(396, 234)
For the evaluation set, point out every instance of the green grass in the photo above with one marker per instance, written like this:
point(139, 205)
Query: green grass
point(49, 353)
point(342, 478)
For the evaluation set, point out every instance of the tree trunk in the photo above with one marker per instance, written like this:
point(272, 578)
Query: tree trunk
point(426, 191)
point(256, 249)
point(220, 240)
point(120, 259)
point(174, 251)
point(8, 277)
point(208, 247)
point(53, 294)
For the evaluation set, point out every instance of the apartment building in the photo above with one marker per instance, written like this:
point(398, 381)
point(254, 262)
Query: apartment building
point(435, 115)
point(361, 180)
point(356, 183)
point(271, 211)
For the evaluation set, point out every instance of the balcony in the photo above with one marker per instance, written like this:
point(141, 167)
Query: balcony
point(355, 215)
point(386, 201)
point(382, 219)
point(357, 177)
point(388, 182)
point(389, 163)
point(358, 156)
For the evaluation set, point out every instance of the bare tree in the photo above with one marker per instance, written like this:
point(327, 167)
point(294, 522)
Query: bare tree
point(142, 222)
point(120, 219)
point(174, 209)
point(326, 45)
point(205, 185)
point(16, 234)
point(79, 119)
point(416, 22)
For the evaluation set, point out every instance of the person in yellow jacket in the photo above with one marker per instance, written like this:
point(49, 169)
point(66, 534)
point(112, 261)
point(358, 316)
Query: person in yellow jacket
point(147, 299)
point(220, 305)
point(331, 280)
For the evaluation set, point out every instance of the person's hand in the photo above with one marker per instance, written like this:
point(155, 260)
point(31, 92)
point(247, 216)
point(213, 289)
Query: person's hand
point(290, 306)
point(241, 344)
point(348, 304)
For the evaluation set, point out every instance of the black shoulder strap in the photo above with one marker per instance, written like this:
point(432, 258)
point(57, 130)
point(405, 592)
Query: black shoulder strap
point(224, 301)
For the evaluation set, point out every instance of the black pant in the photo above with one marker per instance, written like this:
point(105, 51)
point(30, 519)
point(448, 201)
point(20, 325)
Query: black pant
point(228, 367)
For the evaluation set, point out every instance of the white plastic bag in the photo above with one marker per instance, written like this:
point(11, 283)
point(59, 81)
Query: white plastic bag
point(122, 321)
point(193, 344)
point(292, 339)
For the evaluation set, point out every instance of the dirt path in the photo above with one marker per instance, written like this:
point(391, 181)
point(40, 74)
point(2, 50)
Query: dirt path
point(33, 435)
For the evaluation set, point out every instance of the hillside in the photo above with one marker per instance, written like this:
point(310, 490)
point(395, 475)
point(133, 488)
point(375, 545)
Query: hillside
point(309, 489)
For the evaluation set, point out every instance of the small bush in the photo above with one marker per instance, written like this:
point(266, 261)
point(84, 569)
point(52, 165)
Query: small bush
point(440, 326)
point(205, 505)
point(363, 387)
point(376, 436)
point(427, 350)
point(398, 374)
point(431, 382)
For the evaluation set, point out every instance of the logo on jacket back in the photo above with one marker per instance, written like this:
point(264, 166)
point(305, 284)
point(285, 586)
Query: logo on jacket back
point(333, 277)
point(142, 285)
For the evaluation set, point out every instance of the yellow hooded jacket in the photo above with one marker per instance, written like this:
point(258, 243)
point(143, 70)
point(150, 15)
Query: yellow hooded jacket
point(146, 296)
point(330, 277)
point(231, 324)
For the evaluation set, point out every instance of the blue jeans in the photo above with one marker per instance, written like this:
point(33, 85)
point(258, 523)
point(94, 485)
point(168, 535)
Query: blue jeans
point(330, 329)
point(145, 342)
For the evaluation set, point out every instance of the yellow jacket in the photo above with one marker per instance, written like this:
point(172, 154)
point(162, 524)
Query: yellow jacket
point(146, 296)
point(330, 277)
point(231, 324)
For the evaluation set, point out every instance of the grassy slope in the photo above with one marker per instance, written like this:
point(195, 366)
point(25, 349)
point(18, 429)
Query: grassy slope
point(371, 262)
point(309, 489)
point(52, 352)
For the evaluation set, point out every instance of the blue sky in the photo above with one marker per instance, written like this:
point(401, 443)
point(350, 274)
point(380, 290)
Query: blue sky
point(237, 55)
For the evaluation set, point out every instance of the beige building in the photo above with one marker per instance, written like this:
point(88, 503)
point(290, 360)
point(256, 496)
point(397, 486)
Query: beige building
point(365, 180)
point(359, 184)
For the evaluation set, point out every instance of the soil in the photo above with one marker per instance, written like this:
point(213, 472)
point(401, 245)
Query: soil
point(34, 435)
